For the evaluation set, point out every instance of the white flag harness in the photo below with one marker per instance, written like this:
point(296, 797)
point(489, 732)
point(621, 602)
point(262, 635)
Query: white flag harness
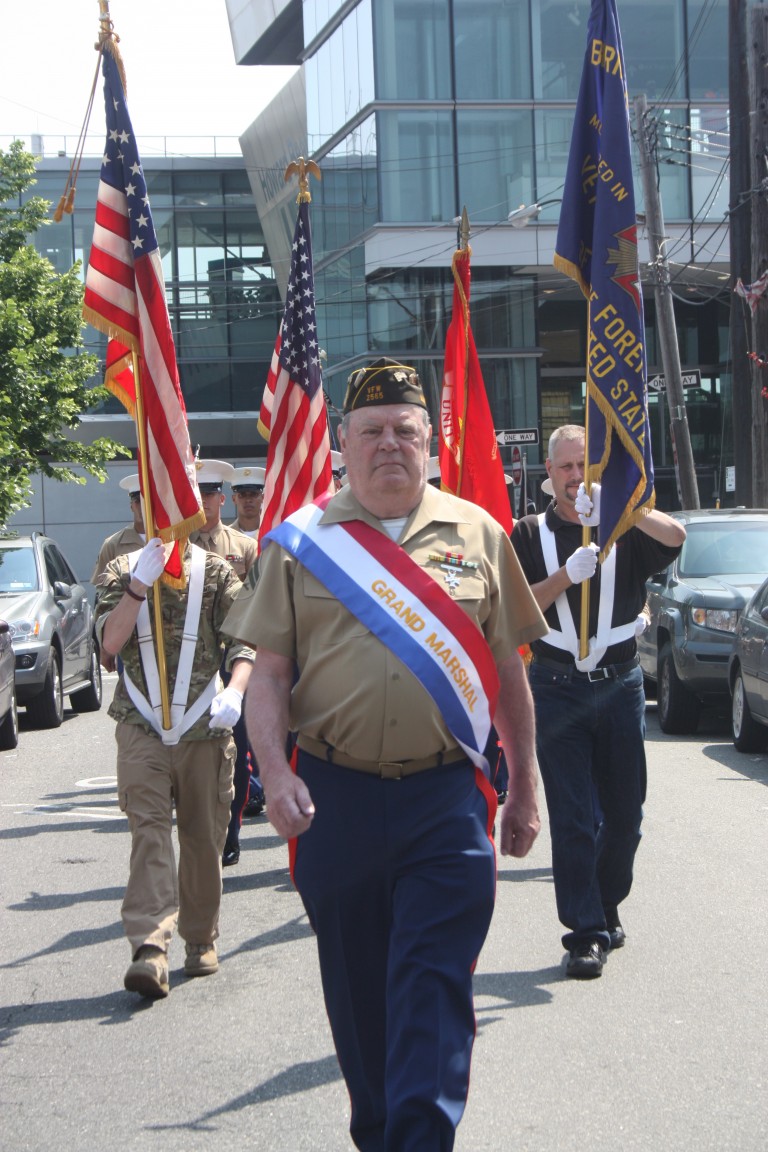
point(566, 638)
point(182, 718)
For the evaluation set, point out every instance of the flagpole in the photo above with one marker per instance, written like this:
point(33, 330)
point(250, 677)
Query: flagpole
point(586, 537)
point(464, 248)
point(149, 527)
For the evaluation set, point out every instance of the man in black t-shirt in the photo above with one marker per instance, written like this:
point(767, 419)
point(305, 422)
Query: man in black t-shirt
point(590, 714)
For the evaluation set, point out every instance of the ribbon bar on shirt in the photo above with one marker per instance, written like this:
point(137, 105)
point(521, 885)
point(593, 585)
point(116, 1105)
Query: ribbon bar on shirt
point(412, 615)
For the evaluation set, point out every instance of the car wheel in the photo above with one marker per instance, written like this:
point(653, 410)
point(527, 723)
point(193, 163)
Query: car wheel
point(89, 699)
point(678, 709)
point(46, 710)
point(9, 728)
point(748, 735)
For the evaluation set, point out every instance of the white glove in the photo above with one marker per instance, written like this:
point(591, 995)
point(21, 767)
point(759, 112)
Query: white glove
point(151, 561)
point(588, 507)
point(226, 708)
point(582, 564)
point(641, 624)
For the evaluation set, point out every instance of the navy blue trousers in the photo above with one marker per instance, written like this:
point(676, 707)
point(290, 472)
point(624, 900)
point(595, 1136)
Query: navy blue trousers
point(590, 743)
point(398, 881)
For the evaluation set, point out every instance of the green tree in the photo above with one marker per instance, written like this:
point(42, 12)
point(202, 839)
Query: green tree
point(43, 372)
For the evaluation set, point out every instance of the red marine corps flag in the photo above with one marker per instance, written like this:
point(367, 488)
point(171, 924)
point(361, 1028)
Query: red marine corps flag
point(293, 417)
point(125, 299)
point(470, 465)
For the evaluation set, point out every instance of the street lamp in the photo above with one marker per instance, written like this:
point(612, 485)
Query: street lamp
point(519, 217)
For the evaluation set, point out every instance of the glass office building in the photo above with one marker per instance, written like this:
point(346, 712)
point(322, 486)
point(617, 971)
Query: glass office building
point(415, 109)
point(223, 300)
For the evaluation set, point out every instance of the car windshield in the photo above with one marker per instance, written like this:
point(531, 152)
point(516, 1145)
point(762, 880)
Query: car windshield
point(727, 549)
point(18, 571)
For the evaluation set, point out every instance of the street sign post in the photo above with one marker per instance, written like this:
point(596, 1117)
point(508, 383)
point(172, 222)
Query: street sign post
point(517, 436)
point(517, 467)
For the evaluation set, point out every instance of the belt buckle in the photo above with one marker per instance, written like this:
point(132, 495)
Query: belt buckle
point(390, 769)
point(598, 674)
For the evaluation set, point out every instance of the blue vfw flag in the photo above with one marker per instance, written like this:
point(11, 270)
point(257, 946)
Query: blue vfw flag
point(597, 247)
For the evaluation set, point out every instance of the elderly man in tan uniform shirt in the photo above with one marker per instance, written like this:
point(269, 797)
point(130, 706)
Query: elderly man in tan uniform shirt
point(389, 820)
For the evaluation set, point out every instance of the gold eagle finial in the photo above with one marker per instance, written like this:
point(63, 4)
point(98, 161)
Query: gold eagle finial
point(303, 169)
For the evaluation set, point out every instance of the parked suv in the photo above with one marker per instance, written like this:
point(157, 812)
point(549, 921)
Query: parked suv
point(51, 622)
point(9, 720)
point(695, 605)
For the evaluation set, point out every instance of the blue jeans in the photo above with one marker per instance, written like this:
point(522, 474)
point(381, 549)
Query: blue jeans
point(590, 742)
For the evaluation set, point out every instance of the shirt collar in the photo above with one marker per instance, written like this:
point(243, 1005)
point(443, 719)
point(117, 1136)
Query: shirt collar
point(434, 507)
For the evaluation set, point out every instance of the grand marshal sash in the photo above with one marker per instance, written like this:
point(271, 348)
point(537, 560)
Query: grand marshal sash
point(408, 611)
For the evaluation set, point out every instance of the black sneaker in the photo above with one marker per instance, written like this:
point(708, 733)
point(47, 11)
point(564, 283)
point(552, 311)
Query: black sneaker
point(586, 961)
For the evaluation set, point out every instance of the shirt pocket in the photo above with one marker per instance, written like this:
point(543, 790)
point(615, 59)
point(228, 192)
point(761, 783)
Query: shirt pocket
point(327, 614)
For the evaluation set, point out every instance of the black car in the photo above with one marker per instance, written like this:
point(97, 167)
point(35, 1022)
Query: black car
point(9, 718)
point(51, 623)
point(748, 676)
point(695, 607)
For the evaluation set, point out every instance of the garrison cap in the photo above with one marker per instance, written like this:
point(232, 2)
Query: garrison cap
point(384, 381)
point(211, 475)
point(547, 488)
point(250, 476)
point(131, 485)
point(337, 462)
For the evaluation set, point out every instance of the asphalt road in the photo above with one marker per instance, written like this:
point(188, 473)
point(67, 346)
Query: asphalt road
point(666, 1051)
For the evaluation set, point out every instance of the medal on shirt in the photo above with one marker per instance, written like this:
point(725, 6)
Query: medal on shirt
point(452, 563)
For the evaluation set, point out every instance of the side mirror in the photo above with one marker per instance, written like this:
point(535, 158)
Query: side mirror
point(62, 591)
point(764, 613)
point(659, 578)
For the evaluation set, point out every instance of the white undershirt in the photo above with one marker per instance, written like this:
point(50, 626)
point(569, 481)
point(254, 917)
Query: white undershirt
point(394, 527)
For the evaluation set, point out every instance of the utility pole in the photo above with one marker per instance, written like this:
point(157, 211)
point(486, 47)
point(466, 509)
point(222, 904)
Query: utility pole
point(758, 103)
point(665, 317)
point(739, 226)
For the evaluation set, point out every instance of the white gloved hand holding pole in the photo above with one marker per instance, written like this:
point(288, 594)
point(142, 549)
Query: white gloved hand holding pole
point(582, 563)
point(226, 708)
point(588, 507)
point(151, 562)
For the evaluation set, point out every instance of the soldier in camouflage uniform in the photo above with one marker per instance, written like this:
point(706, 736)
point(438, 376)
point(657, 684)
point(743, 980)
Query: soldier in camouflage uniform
point(241, 552)
point(190, 769)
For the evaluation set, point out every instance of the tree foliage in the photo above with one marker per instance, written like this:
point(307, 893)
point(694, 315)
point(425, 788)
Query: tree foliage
point(44, 373)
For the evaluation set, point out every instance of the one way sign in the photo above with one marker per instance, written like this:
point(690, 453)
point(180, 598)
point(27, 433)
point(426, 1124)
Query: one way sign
point(517, 436)
point(690, 380)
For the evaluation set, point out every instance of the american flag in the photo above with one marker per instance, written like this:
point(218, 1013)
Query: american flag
point(125, 299)
point(293, 416)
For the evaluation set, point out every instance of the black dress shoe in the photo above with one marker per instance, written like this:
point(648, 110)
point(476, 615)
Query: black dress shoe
point(615, 930)
point(586, 961)
point(230, 855)
point(254, 807)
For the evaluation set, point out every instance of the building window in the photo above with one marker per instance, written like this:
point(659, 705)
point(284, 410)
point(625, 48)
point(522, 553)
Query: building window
point(339, 77)
point(416, 165)
point(492, 50)
point(495, 158)
point(413, 49)
point(707, 57)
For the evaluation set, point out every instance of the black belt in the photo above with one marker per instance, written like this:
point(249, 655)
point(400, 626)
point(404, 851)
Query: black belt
point(607, 672)
point(386, 769)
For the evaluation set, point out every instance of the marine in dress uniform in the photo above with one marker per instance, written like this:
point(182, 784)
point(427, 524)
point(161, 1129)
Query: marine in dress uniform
point(241, 552)
point(128, 539)
point(389, 817)
point(247, 484)
point(187, 769)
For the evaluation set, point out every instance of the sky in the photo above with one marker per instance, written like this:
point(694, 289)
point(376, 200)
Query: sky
point(179, 62)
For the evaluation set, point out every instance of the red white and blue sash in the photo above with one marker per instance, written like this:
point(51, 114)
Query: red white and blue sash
point(408, 611)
